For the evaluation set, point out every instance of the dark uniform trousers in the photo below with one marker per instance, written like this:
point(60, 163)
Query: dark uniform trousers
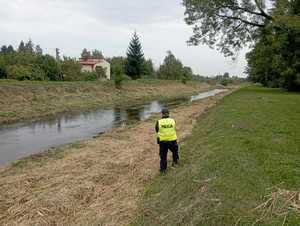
point(164, 147)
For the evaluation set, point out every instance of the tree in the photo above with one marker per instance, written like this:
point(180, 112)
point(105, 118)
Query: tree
point(7, 49)
point(119, 77)
point(19, 72)
point(172, 68)
point(148, 68)
point(51, 67)
point(10, 49)
point(37, 74)
point(187, 74)
point(116, 64)
point(3, 49)
point(97, 54)
point(135, 58)
point(38, 50)
point(29, 47)
point(71, 69)
point(3, 70)
point(274, 61)
point(85, 55)
point(21, 48)
point(227, 24)
point(226, 75)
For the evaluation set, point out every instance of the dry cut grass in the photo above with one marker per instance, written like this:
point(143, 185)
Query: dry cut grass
point(279, 203)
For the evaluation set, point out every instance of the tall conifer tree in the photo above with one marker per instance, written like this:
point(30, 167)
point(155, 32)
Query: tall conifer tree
point(38, 50)
point(21, 48)
point(29, 47)
point(135, 58)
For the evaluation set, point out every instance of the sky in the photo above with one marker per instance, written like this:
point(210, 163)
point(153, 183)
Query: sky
point(72, 25)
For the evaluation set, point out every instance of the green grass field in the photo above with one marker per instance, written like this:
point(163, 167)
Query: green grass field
point(243, 153)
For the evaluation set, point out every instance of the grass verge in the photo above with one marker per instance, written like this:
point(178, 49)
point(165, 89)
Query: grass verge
point(241, 166)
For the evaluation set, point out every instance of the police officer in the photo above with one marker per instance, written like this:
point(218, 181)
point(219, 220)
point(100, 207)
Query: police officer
point(167, 139)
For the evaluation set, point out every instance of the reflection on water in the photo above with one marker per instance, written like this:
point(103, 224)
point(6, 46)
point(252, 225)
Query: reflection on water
point(20, 140)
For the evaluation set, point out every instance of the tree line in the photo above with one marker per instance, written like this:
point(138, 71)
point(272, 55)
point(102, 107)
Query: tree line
point(275, 58)
point(28, 62)
point(135, 66)
point(270, 27)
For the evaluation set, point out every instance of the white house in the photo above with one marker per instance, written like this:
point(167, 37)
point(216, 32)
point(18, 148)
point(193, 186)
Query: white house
point(90, 65)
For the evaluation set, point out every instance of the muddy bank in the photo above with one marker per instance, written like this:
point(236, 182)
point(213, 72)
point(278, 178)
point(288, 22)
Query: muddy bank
point(32, 100)
point(95, 183)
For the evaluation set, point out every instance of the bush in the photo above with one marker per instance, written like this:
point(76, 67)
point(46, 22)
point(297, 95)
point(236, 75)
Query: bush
point(71, 69)
point(89, 76)
point(225, 82)
point(51, 67)
point(38, 74)
point(3, 72)
point(291, 80)
point(100, 72)
point(184, 80)
point(119, 77)
point(20, 72)
point(116, 62)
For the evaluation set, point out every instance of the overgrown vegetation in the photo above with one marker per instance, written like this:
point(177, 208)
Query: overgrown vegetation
point(28, 63)
point(275, 60)
point(119, 76)
point(239, 167)
point(271, 26)
point(173, 69)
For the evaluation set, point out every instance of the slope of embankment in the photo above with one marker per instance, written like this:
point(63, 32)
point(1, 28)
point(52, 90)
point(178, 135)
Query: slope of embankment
point(241, 166)
point(31, 100)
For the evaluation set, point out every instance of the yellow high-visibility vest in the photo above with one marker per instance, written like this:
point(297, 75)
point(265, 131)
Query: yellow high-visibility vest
point(167, 129)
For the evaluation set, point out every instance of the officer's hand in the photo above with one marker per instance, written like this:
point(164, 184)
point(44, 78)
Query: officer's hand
point(158, 141)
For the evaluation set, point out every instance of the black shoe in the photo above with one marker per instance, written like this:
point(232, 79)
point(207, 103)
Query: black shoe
point(174, 164)
point(163, 172)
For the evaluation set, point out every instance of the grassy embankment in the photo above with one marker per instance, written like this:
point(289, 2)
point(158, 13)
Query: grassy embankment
point(243, 153)
point(31, 100)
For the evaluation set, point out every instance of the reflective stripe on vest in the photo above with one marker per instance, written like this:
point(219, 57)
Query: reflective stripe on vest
point(167, 129)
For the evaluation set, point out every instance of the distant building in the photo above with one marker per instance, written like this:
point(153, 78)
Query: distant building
point(90, 65)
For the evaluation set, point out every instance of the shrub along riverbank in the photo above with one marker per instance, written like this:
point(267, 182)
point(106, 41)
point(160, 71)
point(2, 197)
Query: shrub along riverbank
point(240, 166)
point(32, 100)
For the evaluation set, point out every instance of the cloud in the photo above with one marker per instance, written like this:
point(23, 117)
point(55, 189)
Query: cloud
point(72, 25)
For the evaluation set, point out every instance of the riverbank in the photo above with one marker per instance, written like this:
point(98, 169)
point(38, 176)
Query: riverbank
point(32, 100)
point(239, 167)
point(94, 182)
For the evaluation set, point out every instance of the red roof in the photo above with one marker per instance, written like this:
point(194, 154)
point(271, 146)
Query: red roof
point(87, 63)
point(90, 61)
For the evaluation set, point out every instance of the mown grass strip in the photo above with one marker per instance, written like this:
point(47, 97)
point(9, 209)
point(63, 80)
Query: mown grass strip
point(240, 166)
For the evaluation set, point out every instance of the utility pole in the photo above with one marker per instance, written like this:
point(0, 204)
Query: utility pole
point(57, 54)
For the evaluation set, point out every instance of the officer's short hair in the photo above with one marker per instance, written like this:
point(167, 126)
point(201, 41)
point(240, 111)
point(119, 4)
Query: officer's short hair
point(165, 111)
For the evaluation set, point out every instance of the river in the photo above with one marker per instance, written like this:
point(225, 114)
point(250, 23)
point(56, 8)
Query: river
point(22, 139)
